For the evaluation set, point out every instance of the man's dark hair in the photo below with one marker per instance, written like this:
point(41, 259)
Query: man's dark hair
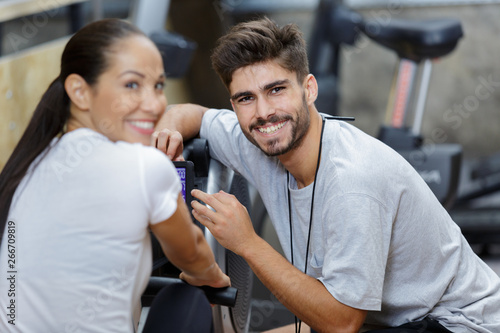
point(259, 41)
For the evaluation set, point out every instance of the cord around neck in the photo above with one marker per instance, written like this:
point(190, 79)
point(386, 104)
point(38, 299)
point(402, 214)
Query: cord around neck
point(297, 325)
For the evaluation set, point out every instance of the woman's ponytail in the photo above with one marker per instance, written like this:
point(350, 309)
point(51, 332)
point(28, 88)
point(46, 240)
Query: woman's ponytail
point(47, 122)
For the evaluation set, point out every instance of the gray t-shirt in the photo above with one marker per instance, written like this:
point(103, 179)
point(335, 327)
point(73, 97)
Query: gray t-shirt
point(380, 241)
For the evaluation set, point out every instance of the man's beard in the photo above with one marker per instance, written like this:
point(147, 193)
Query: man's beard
point(299, 129)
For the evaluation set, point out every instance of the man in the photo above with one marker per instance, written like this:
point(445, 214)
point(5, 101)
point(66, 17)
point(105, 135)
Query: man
point(365, 238)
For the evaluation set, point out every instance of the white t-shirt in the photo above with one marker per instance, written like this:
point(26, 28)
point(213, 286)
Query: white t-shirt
point(380, 241)
point(82, 250)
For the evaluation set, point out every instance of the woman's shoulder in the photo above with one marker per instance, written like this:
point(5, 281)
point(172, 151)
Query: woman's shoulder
point(147, 153)
point(84, 143)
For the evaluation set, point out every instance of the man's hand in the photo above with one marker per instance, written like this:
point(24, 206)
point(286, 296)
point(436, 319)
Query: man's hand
point(302, 294)
point(230, 223)
point(179, 122)
point(169, 142)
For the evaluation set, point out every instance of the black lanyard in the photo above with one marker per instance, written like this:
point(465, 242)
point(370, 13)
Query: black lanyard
point(297, 325)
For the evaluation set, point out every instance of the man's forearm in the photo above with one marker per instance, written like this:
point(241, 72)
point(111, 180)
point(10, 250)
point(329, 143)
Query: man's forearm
point(229, 222)
point(183, 118)
point(303, 295)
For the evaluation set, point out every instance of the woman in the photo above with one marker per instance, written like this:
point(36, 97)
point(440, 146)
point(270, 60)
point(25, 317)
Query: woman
point(82, 189)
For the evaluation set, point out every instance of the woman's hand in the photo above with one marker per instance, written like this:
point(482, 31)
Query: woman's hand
point(212, 276)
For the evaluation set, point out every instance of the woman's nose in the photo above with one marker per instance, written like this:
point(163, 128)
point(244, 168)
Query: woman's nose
point(154, 102)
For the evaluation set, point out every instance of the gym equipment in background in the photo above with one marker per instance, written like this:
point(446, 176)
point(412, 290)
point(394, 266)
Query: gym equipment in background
point(232, 310)
point(416, 43)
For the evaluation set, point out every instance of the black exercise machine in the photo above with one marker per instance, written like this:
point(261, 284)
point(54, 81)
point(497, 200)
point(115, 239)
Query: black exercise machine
point(232, 310)
point(417, 43)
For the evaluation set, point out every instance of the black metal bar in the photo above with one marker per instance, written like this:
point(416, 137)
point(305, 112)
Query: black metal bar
point(221, 296)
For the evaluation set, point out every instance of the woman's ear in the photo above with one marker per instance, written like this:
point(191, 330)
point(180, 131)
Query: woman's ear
point(311, 88)
point(78, 91)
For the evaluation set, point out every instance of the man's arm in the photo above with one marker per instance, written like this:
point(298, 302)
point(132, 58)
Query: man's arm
point(180, 122)
point(303, 295)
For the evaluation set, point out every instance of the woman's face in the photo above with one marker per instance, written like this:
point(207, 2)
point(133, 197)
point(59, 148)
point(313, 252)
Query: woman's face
point(128, 98)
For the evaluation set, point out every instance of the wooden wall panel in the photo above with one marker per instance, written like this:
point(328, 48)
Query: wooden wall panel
point(11, 9)
point(24, 77)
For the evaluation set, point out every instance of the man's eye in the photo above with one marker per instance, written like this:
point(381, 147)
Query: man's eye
point(132, 85)
point(277, 90)
point(245, 99)
point(160, 85)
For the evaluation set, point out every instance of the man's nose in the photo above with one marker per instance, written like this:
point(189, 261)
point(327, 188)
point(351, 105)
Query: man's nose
point(264, 109)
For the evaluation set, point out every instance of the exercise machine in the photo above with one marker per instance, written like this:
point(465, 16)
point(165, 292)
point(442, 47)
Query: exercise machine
point(231, 312)
point(417, 43)
point(477, 208)
point(469, 189)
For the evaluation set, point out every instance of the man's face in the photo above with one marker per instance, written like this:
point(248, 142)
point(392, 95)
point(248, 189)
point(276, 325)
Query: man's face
point(271, 106)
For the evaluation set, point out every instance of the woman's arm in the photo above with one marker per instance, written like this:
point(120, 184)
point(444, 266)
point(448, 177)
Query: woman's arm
point(185, 246)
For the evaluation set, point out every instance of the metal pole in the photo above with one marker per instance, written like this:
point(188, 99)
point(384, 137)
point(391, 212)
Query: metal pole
point(422, 96)
point(150, 15)
point(97, 11)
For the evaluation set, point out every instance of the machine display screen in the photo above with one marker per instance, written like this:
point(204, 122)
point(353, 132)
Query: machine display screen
point(185, 170)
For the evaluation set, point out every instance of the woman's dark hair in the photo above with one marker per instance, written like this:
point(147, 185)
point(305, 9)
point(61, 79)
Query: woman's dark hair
point(259, 41)
point(85, 54)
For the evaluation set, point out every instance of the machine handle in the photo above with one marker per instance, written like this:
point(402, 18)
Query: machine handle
point(222, 296)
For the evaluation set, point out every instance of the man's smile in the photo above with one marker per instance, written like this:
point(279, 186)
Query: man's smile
point(271, 128)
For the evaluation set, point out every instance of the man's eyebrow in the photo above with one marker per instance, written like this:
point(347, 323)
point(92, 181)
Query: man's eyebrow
point(266, 87)
point(240, 94)
point(275, 83)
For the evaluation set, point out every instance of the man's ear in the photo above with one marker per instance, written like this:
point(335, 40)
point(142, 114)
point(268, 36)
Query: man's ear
point(311, 88)
point(78, 91)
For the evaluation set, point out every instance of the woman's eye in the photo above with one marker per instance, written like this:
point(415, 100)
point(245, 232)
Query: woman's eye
point(132, 85)
point(160, 85)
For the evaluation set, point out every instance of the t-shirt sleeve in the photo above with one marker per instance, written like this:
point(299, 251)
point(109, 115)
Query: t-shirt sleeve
point(219, 127)
point(161, 185)
point(357, 249)
point(227, 143)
